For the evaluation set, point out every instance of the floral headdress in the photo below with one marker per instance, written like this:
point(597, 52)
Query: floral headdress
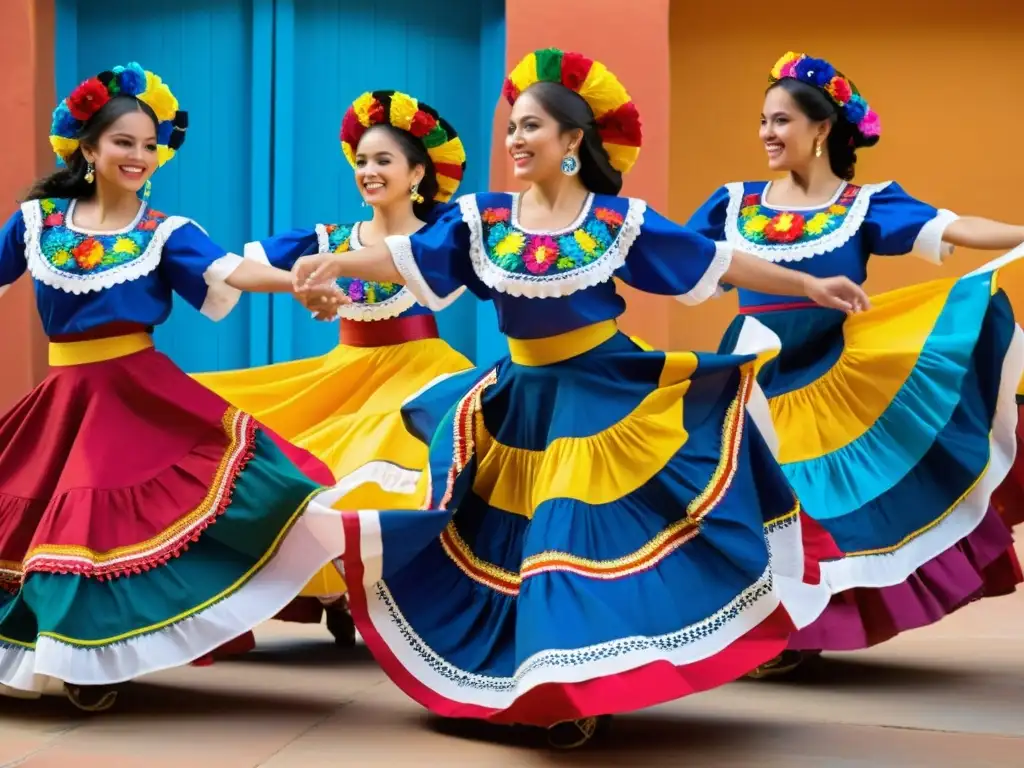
point(402, 111)
point(618, 121)
point(843, 93)
point(87, 99)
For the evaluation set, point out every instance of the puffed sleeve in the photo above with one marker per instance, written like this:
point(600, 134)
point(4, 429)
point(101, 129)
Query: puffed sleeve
point(12, 251)
point(897, 224)
point(197, 269)
point(434, 262)
point(672, 260)
point(709, 219)
point(282, 251)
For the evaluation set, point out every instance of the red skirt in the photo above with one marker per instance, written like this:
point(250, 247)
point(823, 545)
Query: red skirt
point(111, 467)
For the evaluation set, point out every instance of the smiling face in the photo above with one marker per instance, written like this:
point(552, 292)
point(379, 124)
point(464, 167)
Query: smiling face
point(789, 135)
point(536, 142)
point(125, 155)
point(384, 175)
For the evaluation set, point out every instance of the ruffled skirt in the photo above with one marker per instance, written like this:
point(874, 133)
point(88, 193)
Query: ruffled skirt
point(895, 427)
point(605, 529)
point(143, 521)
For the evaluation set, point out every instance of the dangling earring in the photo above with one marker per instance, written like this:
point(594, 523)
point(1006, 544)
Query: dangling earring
point(90, 175)
point(414, 193)
point(817, 149)
point(570, 164)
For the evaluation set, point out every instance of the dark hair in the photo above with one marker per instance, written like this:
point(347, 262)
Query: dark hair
point(415, 154)
point(69, 180)
point(571, 112)
point(842, 139)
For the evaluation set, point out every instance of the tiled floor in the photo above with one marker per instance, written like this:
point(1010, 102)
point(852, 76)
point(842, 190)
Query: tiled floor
point(951, 695)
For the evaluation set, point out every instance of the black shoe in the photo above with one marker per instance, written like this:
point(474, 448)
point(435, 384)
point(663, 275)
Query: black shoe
point(91, 698)
point(573, 734)
point(340, 624)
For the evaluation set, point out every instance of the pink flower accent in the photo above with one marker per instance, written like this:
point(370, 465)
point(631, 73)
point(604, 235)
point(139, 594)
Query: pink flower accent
point(54, 220)
point(541, 254)
point(870, 126)
point(789, 69)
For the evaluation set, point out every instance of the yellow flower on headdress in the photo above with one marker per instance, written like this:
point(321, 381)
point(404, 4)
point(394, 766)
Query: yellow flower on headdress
point(163, 154)
point(159, 98)
point(63, 147)
point(602, 90)
point(361, 107)
point(788, 57)
point(403, 109)
point(525, 73)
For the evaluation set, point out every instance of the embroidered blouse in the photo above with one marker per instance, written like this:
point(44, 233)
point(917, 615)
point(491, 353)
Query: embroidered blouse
point(86, 279)
point(836, 238)
point(547, 283)
point(370, 300)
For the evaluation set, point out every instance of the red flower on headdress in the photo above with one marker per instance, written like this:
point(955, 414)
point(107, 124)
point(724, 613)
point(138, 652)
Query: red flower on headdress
point(839, 89)
point(575, 68)
point(422, 124)
point(621, 126)
point(509, 91)
point(351, 128)
point(377, 114)
point(87, 99)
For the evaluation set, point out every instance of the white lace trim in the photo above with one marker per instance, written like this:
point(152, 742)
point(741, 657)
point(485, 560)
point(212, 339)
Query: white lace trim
point(929, 244)
point(401, 253)
point(221, 298)
point(47, 274)
point(837, 238)
point(549, 286)
point(382, 310)
point(708, 286)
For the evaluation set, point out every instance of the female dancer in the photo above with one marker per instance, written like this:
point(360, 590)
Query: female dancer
point(143, 521)
point(896, 425)
point(345, 406)
point(595, 537)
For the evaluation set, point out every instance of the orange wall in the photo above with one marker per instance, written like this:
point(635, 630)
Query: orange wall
point(26, 59)
point(947, 83)
point(604, 30)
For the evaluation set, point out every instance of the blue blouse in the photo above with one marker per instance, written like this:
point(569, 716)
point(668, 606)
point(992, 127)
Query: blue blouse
point(547, 283)
point(833, 239)
point(370, 300)
point(87, 279)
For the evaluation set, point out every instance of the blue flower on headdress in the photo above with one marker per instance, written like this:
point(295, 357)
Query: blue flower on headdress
point(63, 123)
point(131, 79)
point(817, 72)
point(164, 131)
point(855, 109)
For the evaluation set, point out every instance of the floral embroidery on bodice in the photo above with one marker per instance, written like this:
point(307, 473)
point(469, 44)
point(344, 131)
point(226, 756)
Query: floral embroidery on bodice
point(370, 300)
point(78, 261)
point(512, 259)
point(781, 234)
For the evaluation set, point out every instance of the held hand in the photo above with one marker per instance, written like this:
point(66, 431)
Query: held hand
point(323, 300)
point(315, 269)
point(837, 293)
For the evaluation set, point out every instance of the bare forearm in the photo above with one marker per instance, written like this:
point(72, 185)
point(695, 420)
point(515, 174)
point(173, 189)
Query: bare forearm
point(373, 263)
point(253, 277)
point(752, 273)
point(983, 234)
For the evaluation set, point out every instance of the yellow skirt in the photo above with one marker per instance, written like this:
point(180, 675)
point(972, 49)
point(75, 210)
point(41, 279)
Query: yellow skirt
point(345, 408)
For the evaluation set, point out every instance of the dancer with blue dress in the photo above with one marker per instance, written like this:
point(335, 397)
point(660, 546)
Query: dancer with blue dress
point(144, 522)
point(605, 528)
point(896, 425)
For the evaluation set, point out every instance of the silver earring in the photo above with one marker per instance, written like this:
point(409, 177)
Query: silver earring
point(90, 175)
point(570, 165)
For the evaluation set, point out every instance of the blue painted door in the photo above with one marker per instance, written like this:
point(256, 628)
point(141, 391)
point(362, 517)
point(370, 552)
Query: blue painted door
point(212, 55)
point(328, 52)
point(265, 83)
